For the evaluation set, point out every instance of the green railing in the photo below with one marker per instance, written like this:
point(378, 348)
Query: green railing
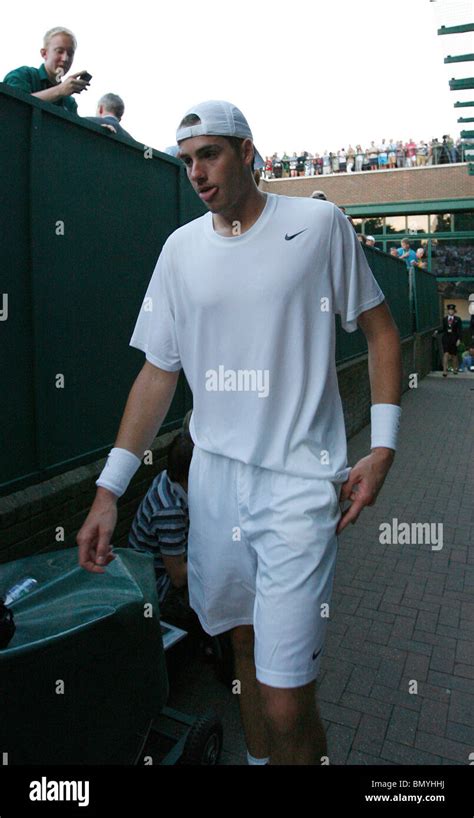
point(84, 216)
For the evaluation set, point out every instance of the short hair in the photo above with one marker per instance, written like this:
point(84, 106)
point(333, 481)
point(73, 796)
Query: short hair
point(113, 103)
point(405, 241)
point(58, 30)
point(179, 457)
point(235, 141)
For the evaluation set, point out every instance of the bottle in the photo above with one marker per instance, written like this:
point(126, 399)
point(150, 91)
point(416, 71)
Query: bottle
point(20, 589)
point(7, 625)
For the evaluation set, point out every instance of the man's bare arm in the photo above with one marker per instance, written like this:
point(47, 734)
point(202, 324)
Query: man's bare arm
point(385, 374)
point(385, 363)
point(146, 408)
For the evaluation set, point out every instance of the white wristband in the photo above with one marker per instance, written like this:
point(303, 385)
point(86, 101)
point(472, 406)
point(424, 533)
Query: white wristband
point(385, 423)
point(118, 471)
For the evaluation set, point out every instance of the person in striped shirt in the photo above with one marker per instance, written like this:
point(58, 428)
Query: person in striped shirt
point(161, 523)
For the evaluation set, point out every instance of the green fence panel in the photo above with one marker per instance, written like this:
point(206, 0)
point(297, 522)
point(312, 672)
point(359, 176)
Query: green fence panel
point(84, 217)
point(427, 301)
point(392, 276)
point(17, 423)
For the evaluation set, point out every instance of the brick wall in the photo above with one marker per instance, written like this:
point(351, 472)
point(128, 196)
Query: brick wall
point(29, 518)
point(372, 187)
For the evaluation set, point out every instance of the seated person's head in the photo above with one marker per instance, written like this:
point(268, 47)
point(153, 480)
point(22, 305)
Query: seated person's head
point(111, 104)
point(179, 459)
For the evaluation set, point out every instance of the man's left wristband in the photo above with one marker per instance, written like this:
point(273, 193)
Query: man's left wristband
point(119, 469)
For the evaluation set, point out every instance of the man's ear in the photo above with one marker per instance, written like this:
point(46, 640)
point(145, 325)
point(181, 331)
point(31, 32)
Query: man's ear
point(247, 151)
point(43, 52)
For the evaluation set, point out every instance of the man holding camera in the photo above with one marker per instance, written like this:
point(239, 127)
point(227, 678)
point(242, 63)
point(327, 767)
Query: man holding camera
point(45, 82)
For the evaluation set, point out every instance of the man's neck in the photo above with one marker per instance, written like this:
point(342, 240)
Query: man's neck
point(242, 216)
point(52, 76)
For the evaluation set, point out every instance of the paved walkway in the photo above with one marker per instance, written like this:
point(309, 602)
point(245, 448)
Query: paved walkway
point(403, 614)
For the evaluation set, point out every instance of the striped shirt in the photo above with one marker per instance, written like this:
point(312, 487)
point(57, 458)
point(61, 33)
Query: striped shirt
point(160, 526)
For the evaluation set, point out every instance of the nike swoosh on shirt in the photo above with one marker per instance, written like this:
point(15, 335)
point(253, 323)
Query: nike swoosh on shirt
point(288, 238)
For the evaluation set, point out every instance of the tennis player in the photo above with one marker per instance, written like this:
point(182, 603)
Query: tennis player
point(244, 299)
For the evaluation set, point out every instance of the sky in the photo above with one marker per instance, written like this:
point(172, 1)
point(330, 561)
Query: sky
point(313, 77)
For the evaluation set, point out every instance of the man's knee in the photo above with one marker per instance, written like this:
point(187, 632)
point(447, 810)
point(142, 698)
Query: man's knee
point(289, 710)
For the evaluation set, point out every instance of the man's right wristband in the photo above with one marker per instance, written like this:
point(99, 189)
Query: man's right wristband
point(119, 469)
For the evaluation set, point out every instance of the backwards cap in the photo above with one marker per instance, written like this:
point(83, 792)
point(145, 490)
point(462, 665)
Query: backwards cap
point(218, 118)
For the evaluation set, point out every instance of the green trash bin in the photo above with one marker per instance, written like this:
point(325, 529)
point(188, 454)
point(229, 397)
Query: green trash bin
point(84, 673)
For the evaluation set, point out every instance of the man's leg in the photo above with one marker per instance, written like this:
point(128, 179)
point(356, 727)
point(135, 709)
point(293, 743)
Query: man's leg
point(445, 363)
point(249, 699)
point(294, 726)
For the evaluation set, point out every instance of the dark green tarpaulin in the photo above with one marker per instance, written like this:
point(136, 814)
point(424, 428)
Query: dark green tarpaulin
point(97, 638)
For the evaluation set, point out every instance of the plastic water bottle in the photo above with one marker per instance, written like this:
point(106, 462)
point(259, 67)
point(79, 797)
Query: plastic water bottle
point(20, 589)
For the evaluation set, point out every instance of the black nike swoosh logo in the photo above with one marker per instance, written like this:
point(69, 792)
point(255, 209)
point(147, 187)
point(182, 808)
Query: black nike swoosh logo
point(316, 654)
point(288, 238)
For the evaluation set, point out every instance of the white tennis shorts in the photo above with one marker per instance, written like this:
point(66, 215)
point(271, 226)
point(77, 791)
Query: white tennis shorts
point(262, 551)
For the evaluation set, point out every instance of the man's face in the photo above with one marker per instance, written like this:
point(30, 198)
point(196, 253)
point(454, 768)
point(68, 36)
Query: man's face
point(58, 56)
point(214, 169)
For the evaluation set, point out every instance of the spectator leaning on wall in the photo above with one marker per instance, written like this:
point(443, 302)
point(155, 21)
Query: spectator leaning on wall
point(45, 82)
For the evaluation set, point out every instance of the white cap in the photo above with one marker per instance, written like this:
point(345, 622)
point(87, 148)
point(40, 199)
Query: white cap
point(218, 118)
point(369, 238)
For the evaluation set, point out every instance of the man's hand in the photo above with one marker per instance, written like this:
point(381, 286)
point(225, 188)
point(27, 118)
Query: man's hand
point(364, 483)
point(72, 85)
point(94, 537)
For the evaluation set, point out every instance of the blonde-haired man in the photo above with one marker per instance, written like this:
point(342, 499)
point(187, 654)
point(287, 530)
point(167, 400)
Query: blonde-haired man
point(59, 46)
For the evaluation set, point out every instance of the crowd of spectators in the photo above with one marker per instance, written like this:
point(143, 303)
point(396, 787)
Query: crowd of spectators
point(386, 155)
point(405, 252)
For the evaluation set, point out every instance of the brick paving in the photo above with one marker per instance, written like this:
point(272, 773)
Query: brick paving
point(397, 677)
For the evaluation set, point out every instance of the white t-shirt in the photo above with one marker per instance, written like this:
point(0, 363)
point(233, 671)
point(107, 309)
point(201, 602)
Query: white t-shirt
point(250, 319)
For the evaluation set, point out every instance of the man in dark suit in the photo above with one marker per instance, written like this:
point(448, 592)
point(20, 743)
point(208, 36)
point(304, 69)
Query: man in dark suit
point(451, 338)
point(110, 110)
